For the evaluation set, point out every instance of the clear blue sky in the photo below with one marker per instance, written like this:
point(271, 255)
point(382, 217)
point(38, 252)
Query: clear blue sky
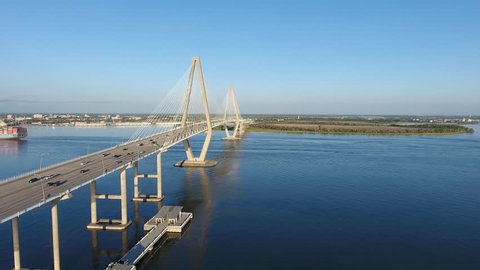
point(312, 57)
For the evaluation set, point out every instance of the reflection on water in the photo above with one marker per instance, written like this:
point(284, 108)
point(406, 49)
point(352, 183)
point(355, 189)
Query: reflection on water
point(229, 158)
point(11, 148)
point(200, 199)
point(99, 251)
point(202, 206)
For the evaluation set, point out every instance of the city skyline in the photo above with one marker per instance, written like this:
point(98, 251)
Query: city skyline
point(375, 58)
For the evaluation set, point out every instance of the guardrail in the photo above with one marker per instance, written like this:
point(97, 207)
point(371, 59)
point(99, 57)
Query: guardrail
point(53, 166)
point(179, 137)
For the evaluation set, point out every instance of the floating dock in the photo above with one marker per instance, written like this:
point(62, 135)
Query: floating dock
point(168, 219)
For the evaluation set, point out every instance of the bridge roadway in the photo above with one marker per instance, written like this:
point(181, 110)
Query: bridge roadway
point(18, 196)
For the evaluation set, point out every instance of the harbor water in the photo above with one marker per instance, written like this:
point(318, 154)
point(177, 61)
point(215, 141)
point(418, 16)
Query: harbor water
point(274, 201)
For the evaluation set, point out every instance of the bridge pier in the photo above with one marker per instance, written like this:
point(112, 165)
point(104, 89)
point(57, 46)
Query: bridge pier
point(235, 135)
point(55, 237)
point(55, 233)
point(199, 161)
point(110, 224)
point(16, 245)
point(93, 202)
point(137, 197)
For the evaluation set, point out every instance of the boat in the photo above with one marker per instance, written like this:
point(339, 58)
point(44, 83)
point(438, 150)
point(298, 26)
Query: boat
point(12, 132)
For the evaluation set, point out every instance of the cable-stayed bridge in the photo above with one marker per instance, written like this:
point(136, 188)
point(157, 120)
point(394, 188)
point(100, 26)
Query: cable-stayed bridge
point(172, 122)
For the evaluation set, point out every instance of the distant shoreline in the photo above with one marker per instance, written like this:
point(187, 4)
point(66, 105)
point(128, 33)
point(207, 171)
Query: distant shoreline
point(360, 128)
point(354, 133)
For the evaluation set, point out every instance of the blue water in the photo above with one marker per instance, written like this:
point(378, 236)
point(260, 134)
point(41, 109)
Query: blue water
point(283, 201)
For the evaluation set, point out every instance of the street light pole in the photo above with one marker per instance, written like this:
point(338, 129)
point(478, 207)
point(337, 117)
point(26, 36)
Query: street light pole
point(103, 164)
point(138, 150)
point(41, 177)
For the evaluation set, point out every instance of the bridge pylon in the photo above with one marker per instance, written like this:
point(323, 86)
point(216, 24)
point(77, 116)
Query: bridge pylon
point(199, 161)
point(232, 101)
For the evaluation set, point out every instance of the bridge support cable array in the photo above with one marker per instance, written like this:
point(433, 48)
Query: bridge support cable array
point(165, 115)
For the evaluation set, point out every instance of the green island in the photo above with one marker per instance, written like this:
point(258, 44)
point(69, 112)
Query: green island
point(367, 126)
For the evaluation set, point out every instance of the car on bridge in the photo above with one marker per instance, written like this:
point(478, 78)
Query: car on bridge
point(51, 176)
point(33, 180)
point(117, 156)
point(105, 154)
point(56, 183)
point(84, 163)
point(84, 171)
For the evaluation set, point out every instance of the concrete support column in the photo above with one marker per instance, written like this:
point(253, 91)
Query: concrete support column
point(93, 202)
point(56, 242)
point(123, 194)
point(159, 175)
point(135, 179)
point(109, 224)
point(235, 131)
point(16, 245)
point(188, 149)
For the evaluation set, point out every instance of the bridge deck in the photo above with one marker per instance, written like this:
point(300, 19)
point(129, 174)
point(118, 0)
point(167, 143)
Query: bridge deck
point(18, 195)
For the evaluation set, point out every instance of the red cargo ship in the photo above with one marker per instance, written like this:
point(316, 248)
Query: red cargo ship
point(12, 133)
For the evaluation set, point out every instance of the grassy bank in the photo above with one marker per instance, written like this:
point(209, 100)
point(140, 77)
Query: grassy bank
point(359, 127)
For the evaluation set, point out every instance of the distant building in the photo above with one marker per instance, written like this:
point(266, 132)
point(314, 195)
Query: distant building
point(9, 117)
point(37, 116)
